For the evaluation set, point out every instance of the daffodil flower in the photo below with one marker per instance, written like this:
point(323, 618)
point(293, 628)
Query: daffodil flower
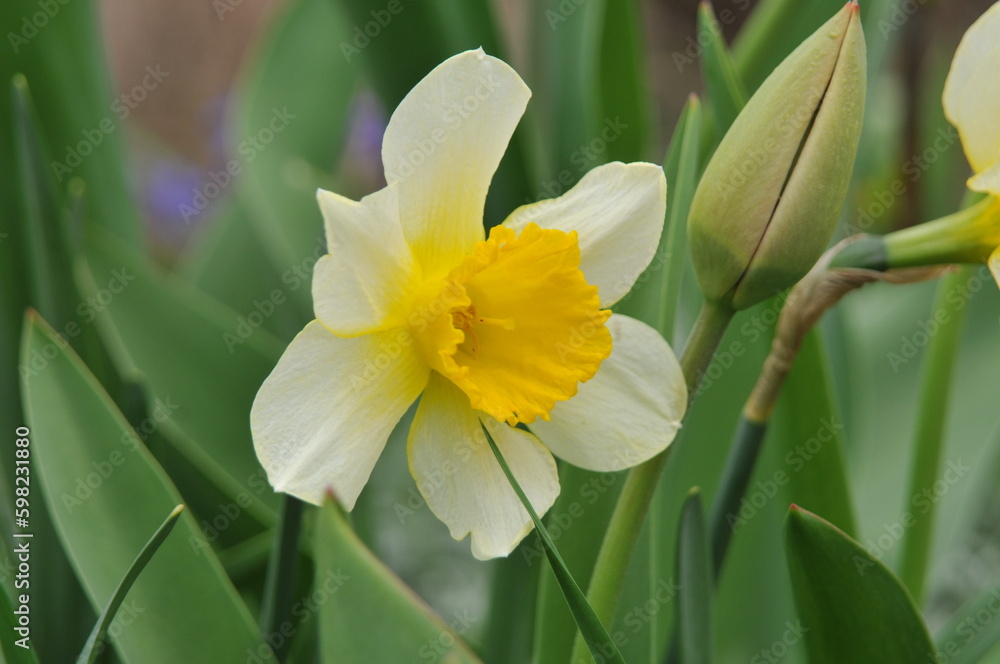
point(414, 300)
point(972, 104)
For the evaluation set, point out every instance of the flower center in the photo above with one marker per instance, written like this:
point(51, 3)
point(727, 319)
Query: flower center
point(515, 325)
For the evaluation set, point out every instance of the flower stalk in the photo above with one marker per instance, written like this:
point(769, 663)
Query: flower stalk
point(640, 485)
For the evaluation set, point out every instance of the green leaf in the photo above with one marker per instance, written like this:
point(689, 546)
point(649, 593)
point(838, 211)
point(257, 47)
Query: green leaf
point(808, 428)
point(279, 586)
point(65, 64)
point(581, 514)
point(366, 614)
point(203, 365)
point(694, 575)
point(105, 491)
point(38, 246)
point(10, 652)
point(514, 592)
point(726, 93)
point(289, 132)
point(399, 42)
point(46, 244)
point(602, 647)
point(852, 608)
point(227, 260)
point(94, 646)
point(936, 378)
point(775, 29)
point(566, 54)
point(625, 94)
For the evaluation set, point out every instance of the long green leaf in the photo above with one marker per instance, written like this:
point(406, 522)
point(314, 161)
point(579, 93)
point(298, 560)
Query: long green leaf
point(809, 431)
point(625, 97)
point(366, 614)
point(602, 647)
point(288, 135)
point(773, 31)
point(694, 574)
point(935, 390)
point(10, 651)
point(41, 258)
point(227, 260)
point(579, 516)
point(94, 646)
point(105, 491)
point(726, 93)
point(66, 66)
point(852, 608)
point(566, 48)
point(167, 332)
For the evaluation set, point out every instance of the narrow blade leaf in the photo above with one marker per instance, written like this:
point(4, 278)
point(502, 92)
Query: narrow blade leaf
point(594, 633)
point(92, 649)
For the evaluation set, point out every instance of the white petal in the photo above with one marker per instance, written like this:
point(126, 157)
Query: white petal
point(366, 281)
point(442, 146)
point(971, 91)
point(322, 417)
point(627, 413)
point(618, 211)
point(462, 481)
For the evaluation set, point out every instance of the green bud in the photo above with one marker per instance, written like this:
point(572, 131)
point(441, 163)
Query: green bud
point(770, 198)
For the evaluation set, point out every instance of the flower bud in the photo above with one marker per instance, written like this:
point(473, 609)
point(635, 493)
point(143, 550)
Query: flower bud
point(770, 197)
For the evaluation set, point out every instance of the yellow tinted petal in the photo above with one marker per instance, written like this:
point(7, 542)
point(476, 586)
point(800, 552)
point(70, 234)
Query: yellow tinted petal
point(617, 210)
point(462, 481)
point(972, 90)
point(322, 417)
point(441, 148)
point(366, 283)
point(629, 412)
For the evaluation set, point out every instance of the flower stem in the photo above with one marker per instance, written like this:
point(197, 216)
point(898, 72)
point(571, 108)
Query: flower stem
point(935, 387)
point(279, 585)
point(633, 503)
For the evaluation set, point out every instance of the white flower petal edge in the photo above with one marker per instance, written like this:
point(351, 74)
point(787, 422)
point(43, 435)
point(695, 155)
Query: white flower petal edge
point(321, 419)
point(364, 283)
point(628, 412)
point(988, 180)
point(462, 481)
point(442, 147)
point(971, 94)
point(618, 211)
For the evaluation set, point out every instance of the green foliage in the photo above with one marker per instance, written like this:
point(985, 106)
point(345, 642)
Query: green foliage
point(106, 493)
point(852, 608)
point(365, 613)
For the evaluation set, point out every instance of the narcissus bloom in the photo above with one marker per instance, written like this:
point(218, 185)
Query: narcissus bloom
point(972, 104)
point(414, 300)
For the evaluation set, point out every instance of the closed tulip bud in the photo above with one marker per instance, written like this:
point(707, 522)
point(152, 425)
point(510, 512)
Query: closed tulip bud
point(770, 197)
